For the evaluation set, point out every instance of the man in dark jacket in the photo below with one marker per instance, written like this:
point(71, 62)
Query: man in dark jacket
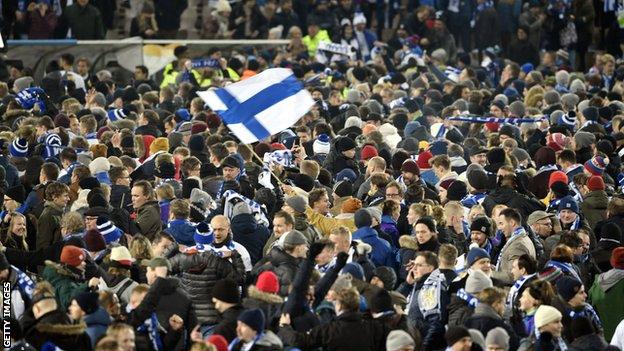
point(120, 196)
point(168, 14)
point(347, 332)
point(84, 20)
point(247, 232)
point(165, 298)
point(226, 298)
point(610, 241)
point(49, 324)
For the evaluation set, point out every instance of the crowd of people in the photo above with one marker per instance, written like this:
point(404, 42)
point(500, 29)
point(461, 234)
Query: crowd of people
point(418, 205)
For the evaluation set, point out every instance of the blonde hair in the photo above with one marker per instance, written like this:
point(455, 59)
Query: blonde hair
point(141, 248)
point(453, 208)
point(342, 231)
point(422, 209)
point(72, 222)
point(22, 238)
point(165, 191)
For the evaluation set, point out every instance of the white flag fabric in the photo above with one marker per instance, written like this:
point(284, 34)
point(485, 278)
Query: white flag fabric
point(262, 105)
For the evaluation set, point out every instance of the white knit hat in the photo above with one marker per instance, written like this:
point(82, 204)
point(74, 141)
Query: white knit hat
point(546, 314)
point(321, 144)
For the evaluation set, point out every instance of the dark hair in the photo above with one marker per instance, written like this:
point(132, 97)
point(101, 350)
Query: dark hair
point(528, 263)
point(115, 173)
point(315, 195)
point(151, 116)
point(143, 69)
point(567, 155)
point(146, 188)
point(542, 291)
point(55, 189)
point(69, 154)
point(82, 172)
point(429, 222)
point(513, 214)
point(69, 58)
point(570, 239)
point(50, 170)
point(288, 218)
point(219, 151)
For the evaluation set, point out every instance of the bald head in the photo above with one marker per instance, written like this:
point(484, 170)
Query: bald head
point(221, 227)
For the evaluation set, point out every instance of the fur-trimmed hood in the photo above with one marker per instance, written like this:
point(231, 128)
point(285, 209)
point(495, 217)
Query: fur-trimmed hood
point(56, 322)
point(255, 293)
point(15, 113)
point(64, 270)
point(361, 248)
point(408, 242)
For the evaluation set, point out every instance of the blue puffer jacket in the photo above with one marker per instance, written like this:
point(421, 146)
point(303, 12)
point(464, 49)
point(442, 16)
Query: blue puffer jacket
point(97, 323)
point(382, 254)
point(247, 232)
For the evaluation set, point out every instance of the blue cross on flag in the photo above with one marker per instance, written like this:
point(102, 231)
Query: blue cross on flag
point(262, 105)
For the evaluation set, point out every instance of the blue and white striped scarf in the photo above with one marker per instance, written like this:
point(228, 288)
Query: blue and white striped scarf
point(151, 327)
point(480, 119)
point(564, 267)
point(256, 209)
point(26, 285)
point(468, 297)
point(513, 292)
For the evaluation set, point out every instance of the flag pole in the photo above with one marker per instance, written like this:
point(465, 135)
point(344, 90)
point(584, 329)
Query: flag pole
point(253, 152)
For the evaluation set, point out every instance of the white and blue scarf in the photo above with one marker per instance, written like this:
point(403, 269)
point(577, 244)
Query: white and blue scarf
point(26, 285)
point(472, 300)
point(151, 327)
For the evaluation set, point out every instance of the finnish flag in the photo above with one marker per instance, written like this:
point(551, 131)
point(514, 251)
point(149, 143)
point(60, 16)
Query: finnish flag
point(262, 105)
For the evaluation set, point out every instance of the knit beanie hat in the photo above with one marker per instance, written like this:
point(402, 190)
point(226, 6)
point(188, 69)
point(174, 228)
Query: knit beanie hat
point(498, 337)
point(456, 191)
point(423, 159)
point(321, 144)
point(477, 281)
point(254, 319)
point(17, 193)
point(546, 314)
point(398, 340)
point(617, 258)
point(596, 165)
point(409, 166)
point(108, 230)
point(88, 301)
point(240, 208)
point(294, 238)
point(567, 287)
point(568, 203)
point(354, 269)
point(584, 139)
point(481, 224)
point(121, 255)
point(475, 254)
point(72, 255)
point(94, 241)
point(196, 143)
point(19, 148)
point(595, 183)
point(203, 234)
point(215, 339)
point(267, 282)
point(478, 179)
point(343, 188)
point(455, 334)
point(342, 282)
point(226, 290)
point(387, 276)
point(159, 144)
point(381, 301)
point(345, 144)
point(591, 113)
point(297, 203)
point(557, 176)
point(368, 152)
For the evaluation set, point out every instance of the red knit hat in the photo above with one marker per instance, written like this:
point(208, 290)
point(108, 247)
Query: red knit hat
point(198, 128)
point(278, 146)
point(368, 152)
point(423, 159)
point(556, 141)
point(213, 121)
point(617, 258)
point(492, 126)
point(410, 166)
point(557, 176)
point(218, 341)
point(72, 255)
point(595, 183)
point(267, 282)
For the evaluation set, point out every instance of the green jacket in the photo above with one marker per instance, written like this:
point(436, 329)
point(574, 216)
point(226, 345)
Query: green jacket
point(49, 225)
point(85, 22)
point(148, 219)
point(66, 283)
point(605, 295)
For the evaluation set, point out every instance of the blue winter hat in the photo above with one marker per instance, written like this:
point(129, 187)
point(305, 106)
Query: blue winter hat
point(253, 318)
point(19, 148)
point(568, 203)
point(527, 67)
point(475, 254)
point(108, 230)
point(204, 234)
point(354, 269)
point(438, 148)
point(568, 120)
point(183, 114)
point(348, 174)
point(117, 114)
point(28, 97)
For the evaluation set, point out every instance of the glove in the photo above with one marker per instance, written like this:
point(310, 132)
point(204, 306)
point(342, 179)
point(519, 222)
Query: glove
point(315, 250)
point(341, 259)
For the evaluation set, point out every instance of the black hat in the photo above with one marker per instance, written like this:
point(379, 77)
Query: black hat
point(456, 191)
point(226, 290)
point(481, 224)
point(343, 188)
point(345, 144)
point(496, 155)
point(478, 179)
point(611, 231)
point(89, 183)
point(88, 301)
point(387, 276)
point(188, 185)
point(97, 211)
point(303, 181)
point(381, 301)
point(230, 161)
point(581, 326)
point(95, 198)
point(17, 193)
point(165, 170)
point(454, 334)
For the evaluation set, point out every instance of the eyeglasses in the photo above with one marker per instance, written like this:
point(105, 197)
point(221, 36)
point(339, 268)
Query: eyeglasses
point(393, 195)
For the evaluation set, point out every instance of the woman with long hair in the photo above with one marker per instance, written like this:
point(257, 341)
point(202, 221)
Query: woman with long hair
point(14, 236)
